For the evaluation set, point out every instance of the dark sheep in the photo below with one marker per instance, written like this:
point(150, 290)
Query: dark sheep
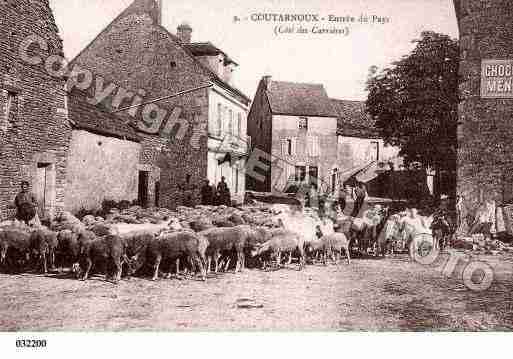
point(136, 244)
point(228, 241)
point(176, 245)
point(14, 248)
point(223, 223)
point(109, 251)
point(200, 225)
point(67, 253)
point(43, 243)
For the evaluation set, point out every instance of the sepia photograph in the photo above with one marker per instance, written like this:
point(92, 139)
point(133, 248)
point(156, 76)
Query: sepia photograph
point(241, 166)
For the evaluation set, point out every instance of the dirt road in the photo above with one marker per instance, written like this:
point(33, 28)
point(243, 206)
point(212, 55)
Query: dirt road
point(369, 294)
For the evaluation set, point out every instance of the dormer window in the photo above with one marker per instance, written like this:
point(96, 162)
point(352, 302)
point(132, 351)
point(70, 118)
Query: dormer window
point(303, 123)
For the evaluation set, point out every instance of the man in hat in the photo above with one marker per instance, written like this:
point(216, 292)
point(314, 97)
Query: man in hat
point(207, 194)
point(25, 203)
point(441, 226)
point(224, 192)
point(360, 194)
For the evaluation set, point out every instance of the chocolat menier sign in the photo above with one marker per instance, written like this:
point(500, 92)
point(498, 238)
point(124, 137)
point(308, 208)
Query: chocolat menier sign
point(497, 79)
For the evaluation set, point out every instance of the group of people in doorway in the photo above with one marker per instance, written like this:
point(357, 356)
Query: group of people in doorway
point(216, 196)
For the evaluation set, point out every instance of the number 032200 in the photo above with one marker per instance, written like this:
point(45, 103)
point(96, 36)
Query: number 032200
point(30, 343)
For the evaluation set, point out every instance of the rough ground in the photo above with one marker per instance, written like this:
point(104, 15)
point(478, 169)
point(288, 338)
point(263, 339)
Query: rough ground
point(369, 294)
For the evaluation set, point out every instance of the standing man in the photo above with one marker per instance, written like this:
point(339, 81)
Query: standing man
point(342, 198)
point(25, 203)
point(207, 194)
point(188, 190)
point(360, 194)
point(224, 193)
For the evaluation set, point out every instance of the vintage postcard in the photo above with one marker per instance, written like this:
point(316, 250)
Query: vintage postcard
point(232, 165)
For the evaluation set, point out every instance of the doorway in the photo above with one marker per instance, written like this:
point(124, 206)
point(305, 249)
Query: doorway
point(157, 193)
point(42, 188)
point(334, 180)
point(142, 197)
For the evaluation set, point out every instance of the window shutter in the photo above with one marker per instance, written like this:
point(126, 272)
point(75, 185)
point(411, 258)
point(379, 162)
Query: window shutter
point(309, 145)
point(239, 125)
point(317, 146)
point(294, 143)
point(219, 119)
point(284, 147)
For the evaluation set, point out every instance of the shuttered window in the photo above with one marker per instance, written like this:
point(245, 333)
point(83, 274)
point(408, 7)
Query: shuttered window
point(230, 122)
point(219, 119)
point(239, 124)
point(313, 146)
point(288, 146)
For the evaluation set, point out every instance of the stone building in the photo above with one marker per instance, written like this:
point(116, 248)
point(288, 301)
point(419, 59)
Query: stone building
point(484, 128)
point(296, 124)
point(73, 154)
point(103, 157)
point(361, 153)
point(311, 137)
point(185, 141)
point(34, 132)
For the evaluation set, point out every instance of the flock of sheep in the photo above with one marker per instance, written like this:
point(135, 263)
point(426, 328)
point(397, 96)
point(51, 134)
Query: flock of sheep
point(192, 242)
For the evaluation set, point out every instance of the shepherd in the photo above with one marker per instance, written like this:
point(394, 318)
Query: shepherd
point(26, 204)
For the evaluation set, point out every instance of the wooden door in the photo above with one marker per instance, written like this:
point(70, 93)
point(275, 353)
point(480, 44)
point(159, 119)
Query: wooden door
point(41, 186)
point(143, 188)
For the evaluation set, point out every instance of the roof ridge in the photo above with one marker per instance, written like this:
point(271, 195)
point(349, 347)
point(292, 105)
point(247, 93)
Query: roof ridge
point(342, 100)
point(298, 83)
point(121, 15)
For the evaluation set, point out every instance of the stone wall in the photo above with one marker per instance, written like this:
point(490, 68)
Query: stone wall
point(485, 130)
point(37, 131)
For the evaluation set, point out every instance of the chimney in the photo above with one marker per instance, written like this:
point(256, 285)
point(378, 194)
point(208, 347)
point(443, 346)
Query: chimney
point(184, 33)
point(267, 80)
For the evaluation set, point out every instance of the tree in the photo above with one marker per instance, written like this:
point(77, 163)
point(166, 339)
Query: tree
point(415, 103)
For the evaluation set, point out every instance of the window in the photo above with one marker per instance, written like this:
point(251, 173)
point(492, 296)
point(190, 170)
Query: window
point(313, 174)
point(288, 146)
point(219, 119)
point(239, 124)
point(303, 123)
point(230, 123)
point(11, 109)
point(300, 173)
point(236, 179)
point(375, 144)
point(313, 146)
point(173, 64)
point(334, 178)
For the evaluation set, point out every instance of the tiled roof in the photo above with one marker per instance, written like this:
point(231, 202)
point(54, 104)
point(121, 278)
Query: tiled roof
point(299, 99)
point(350, 130)
point(207, 49)
point(97, 119)
point(353, 120)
